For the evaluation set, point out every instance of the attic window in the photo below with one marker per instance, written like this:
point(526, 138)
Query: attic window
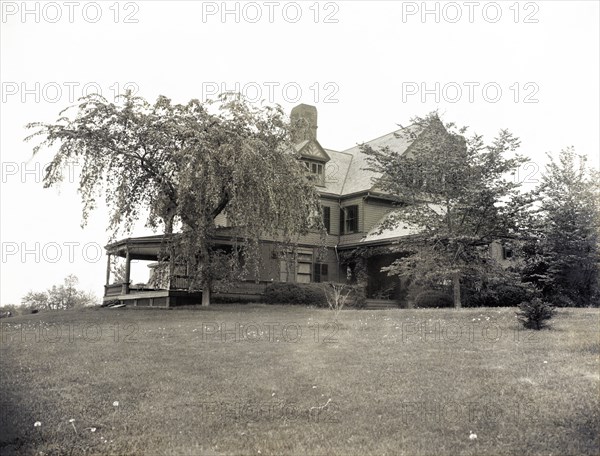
point(316, 172)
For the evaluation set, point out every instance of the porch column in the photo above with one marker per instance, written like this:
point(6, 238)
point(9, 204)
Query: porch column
point(108, 270)
point(125, 287)
point(171, 268)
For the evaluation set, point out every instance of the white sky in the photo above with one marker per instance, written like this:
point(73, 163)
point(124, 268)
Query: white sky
point(361, 72)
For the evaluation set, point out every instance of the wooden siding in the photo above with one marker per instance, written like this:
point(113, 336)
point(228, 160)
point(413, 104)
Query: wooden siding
point(334, 207)
point(373, 213)
point(356, 201)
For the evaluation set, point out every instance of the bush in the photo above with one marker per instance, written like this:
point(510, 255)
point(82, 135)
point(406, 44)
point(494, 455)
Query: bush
point(358, 296)
point(535, 313)
point(295, 293)
point(310, 294)
point(500, 295)
point(241, 299)
point(433, 298)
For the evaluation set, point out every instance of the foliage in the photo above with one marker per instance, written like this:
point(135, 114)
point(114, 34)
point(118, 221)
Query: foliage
point(433, 298)
point(314, 294)
point(61, 297)
point(497, 290)
point(184, 165)
point(534, 314)
point(358, 296)
point(10, 310)
point(454, 192)
point(117, 268)
point(296, 293)
point(563, 252)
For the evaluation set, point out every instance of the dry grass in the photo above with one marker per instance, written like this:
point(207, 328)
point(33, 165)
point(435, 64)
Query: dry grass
point(375, 382)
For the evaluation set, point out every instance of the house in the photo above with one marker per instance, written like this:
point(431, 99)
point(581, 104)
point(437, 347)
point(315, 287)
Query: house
point(352, 210)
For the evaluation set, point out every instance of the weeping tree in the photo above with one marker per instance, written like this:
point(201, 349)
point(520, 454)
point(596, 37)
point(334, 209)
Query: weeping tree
point(456, 193)
point(180, 166)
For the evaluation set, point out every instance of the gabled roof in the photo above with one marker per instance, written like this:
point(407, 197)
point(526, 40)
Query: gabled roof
point(336, 171)
point(346, 173)
point(311, 149)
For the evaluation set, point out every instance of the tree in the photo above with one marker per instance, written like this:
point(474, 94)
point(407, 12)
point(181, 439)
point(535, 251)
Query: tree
point(455, 192)
point(535, 313)
point(185, 165)
point(117, 270)
point(563, 255)
point(61, 297)
point(35, 300)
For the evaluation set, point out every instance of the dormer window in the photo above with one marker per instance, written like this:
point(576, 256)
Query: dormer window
point(316, 172)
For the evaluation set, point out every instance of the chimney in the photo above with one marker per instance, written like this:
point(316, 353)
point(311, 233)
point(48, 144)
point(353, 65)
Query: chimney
point(304, 123)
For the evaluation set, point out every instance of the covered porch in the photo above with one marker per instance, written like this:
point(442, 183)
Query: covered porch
point(166, 287)
point(148, 248)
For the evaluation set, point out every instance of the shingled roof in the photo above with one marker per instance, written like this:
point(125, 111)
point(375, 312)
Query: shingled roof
point(346, 172)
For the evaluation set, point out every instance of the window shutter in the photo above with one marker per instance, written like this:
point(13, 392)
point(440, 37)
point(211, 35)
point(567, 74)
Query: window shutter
point(342, 220)
point(316, 272)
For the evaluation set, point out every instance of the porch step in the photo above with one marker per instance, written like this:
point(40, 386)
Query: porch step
point(375, 304)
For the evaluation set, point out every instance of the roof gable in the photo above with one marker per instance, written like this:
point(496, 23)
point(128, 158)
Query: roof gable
point(312, 150)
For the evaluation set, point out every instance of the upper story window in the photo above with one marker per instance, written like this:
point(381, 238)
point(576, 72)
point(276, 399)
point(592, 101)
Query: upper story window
point(316, 171)
point(349, 219)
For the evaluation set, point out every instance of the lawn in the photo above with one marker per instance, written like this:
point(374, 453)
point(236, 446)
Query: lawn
point(260, 379)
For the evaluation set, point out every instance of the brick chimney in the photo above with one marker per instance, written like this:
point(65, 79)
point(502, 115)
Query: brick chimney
point(304, 123)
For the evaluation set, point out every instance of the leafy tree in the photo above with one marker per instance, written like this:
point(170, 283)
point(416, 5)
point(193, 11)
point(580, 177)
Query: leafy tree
point(117, 269)
point(563, 255)
point(35, 300)
point(184, 165)
point(455, 192)
point(61, 297)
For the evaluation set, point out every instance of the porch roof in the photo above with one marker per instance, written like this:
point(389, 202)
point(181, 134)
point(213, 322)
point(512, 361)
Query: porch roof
point(148, 247)
point(139, 248)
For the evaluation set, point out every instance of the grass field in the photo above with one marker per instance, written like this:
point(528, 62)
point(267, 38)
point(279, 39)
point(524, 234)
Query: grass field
point(264, 380)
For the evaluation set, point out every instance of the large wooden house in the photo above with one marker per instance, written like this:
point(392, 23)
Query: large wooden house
point(352, 210)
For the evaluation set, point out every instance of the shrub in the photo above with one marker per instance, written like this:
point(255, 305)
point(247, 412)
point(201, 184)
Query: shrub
point(358, 296)
point(337, 295)
point(500, 295)
point(296, 293)
point(535, 313)
point(561, 300)
point(433, 298)
point(241, 299)
point(310, 294)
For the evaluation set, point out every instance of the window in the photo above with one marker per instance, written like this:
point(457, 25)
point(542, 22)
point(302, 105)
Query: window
point(316, 172)
point(320, 272)
point(303, 273)
point(327, 218)
point(349, 220)
point(303, 267)
point(506, 252)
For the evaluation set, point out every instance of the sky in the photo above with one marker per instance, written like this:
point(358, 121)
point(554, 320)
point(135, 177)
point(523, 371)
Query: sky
point(531, 67)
